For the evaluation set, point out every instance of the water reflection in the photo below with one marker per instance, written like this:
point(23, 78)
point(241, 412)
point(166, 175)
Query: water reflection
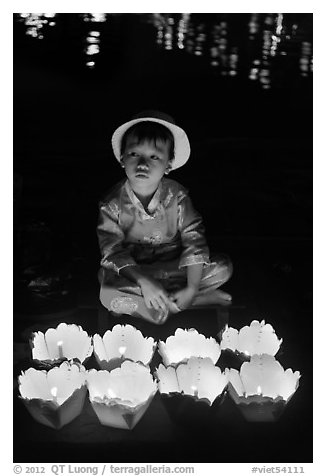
point(257, 47)
point(306, 59)
point(266, 38)
point(92, 47)
point(94, 17)
point(93, 41)
point(37, 22)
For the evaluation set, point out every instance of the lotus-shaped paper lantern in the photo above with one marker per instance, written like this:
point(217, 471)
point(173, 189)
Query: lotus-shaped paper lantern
point(121, 397)
point(122, 343)
point(193, 391)
point(188, 343)
point(262, 388)
point(54, 397)
point(197, 377)
point(258, 338)
point(67, 341)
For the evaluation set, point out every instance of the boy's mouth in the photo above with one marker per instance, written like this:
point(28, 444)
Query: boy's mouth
point(141, 173)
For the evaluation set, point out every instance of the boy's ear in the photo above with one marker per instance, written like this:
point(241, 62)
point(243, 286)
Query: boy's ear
point(168, 167)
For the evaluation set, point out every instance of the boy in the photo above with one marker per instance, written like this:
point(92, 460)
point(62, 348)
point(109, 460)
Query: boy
point(155, 260)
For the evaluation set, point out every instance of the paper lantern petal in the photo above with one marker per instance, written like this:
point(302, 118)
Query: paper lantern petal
point(168, 382)
point(124, 341)
point(258, 338)
point(37, 384)
point(200, 376)
point(39, 347)
point(265, 375)
point(289, 383)
point(74, 344)
point(121, 397)
point(235, 380)
point(229, 339)
point(131, 382)
point(197, 377)
point(33, 384)
point(99, 348)
point(188, 343)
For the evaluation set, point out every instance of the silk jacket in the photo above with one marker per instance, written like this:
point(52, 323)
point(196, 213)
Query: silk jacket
point(170, 228)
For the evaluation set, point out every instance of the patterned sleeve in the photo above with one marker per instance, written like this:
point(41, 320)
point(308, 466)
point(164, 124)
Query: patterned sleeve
point(111, 238)
point(190, 224)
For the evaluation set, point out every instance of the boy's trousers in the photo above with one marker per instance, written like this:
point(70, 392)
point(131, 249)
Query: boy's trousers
point(122, 296)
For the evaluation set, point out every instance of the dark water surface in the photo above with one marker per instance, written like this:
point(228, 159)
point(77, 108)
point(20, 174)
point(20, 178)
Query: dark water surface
point(250, 132)
point(271, 49)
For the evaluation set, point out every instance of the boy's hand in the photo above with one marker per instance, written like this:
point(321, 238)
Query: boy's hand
point(184, 297)
point(154, 294)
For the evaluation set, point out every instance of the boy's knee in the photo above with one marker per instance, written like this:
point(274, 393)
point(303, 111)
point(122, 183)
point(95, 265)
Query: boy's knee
point(225, 262)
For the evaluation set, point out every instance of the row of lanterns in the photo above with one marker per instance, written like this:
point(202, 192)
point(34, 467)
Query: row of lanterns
point(121, 392)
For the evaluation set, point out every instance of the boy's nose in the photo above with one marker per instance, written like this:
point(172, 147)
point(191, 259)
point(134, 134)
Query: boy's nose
point(142, 162)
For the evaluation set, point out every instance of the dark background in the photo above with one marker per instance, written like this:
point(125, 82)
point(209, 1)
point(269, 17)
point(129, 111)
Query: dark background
point(251, 165)
point(250, 171)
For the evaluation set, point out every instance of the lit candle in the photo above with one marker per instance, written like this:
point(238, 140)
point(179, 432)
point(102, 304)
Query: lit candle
point(60, 349)
point(262, 380)
point(122, 351)
point(111, 393)
point(54, 393)
point(195, 389)
point(121, 397)
point(55, 397)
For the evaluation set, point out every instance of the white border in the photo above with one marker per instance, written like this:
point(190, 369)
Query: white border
point(316, 7)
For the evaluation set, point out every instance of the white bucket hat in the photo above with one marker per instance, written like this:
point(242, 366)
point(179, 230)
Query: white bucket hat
point(181, 142)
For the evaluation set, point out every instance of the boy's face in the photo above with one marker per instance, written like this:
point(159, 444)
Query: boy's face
point(146, 162)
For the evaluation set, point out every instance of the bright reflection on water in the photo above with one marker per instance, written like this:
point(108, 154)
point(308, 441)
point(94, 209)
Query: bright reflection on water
point(36, 23)
point(92, 48)
point(268, 36)
point(252, 46)
point(94, 17)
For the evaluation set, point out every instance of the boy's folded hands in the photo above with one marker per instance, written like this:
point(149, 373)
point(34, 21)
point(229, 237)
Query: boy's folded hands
point(183, 298)
point(157, 297)
point(154, 293)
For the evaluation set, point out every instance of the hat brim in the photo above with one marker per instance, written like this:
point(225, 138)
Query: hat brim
point(181, 142)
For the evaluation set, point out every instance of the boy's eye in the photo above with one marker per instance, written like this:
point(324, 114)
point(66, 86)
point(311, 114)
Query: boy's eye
point(133, 154)
point(154, 157)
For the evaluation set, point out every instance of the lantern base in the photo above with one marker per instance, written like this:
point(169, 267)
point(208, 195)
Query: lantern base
point(56, 416)
point(257, 408)
point(120, 416)
point(189, 411)
point(262, 412)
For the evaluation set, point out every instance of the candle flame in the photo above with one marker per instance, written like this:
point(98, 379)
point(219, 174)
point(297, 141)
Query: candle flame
point(195, 389)
point(122, 350)
point(246, 352)
point(60, 349)
point(54, 391)
point(259, 391)
point(111, 393)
